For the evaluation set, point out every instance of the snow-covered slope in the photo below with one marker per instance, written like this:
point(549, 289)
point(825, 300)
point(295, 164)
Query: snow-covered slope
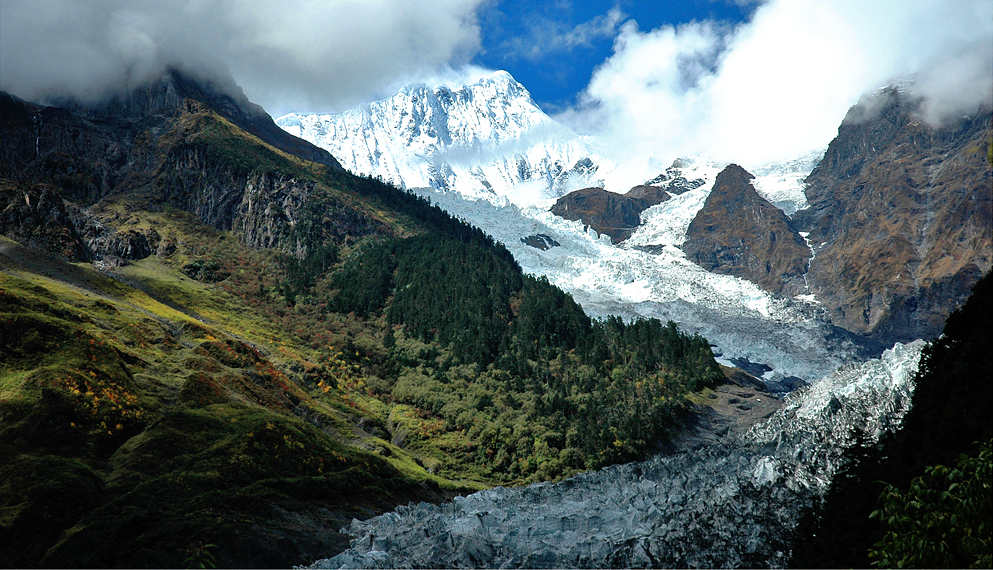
point(488, 139)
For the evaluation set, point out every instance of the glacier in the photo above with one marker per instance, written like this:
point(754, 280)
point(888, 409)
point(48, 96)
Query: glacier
point(782, 183)
point(487, 154)
point(730, 504)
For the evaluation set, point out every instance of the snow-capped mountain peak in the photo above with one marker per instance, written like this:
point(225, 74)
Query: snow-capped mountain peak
point(487, 139)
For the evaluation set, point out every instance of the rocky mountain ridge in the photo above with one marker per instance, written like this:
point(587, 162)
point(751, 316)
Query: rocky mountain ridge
point(164, 96)
point(835, 213)
point(900, 217)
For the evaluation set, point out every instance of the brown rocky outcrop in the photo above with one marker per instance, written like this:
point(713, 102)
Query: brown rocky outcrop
point(900, 218)
point(616, 215)
point(647, 195)
point(737, 232)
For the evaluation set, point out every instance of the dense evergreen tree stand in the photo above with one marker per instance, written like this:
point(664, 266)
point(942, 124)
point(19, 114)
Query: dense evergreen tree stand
point(952, 414)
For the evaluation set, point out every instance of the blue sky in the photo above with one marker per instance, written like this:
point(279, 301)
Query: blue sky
point(553, 47)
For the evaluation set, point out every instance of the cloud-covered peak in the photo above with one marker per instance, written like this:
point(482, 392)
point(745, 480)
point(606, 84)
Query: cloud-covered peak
point(291, 55)
point(778, 85)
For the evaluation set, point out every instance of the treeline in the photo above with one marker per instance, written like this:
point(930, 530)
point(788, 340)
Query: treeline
point(523, 384)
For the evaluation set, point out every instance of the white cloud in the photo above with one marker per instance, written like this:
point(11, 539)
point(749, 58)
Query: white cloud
point(547, 36)
point(779, 85)
point(290, 55)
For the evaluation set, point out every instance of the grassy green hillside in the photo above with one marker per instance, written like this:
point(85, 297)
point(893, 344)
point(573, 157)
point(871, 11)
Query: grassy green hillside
point(144, 432)
point(213, 352)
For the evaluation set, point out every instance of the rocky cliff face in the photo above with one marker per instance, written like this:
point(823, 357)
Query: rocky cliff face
point(900, 218)
point(262, 207)
point(737, 232)
point(616, 215)
point(153, 144)
point(36, 216)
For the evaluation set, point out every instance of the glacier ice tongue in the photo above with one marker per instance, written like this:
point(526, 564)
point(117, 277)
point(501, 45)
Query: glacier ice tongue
point(732, 504)
point(791, 336)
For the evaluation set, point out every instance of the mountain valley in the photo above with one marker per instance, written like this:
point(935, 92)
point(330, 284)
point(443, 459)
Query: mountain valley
point(224, 345)
point(223, 351)
point(617, 257)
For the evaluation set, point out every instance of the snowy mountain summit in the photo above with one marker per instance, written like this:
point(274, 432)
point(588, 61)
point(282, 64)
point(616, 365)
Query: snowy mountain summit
point(484, 140)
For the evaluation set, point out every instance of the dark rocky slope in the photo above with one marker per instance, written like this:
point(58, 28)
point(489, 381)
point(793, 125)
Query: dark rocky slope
point(161, 170)
point(738, 232)
point(156, 145)
point(900, 218)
